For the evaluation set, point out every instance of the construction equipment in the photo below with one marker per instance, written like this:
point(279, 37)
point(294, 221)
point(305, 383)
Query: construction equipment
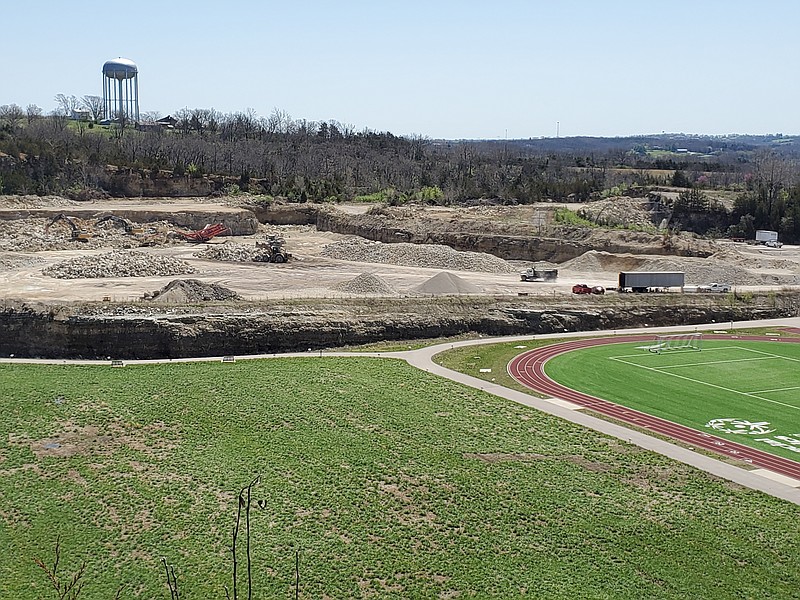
point(78, 234)
point(539, 274)
point(276, 253)
point(129, 227)
point(203, 235)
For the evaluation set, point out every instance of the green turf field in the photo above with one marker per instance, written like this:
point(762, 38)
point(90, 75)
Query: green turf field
point(748, 392)
point(392, 482)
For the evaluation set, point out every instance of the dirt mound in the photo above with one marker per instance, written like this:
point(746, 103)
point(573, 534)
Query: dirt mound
point(183, 291)
point(445, 283)
point(233, 252)
point(416, 255)
point(119, 263)
point(366, 283)
point(10, 261)
point(595, 260)
point(621, 211)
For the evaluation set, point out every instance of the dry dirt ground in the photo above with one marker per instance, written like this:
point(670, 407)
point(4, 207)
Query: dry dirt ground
point(310, 274)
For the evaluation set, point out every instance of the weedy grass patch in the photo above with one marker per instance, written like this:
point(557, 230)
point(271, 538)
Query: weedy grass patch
point(391, 482)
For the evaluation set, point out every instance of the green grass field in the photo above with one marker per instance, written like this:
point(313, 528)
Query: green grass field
point(727, 384)
point(392, 482)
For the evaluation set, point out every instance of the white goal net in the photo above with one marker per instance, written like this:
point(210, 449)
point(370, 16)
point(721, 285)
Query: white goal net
point(684, 341)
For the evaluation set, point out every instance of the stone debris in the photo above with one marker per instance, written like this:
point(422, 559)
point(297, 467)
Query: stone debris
point(29, 235)
point(11, 262)
point(118, 263)
point(232, 252)
point(415, 255)
point(366, 283)
point(30, 201)
point(445, 283)
point(187, 291)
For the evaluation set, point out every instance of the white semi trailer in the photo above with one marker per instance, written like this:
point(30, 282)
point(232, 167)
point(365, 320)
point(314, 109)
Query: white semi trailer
point(645, 281)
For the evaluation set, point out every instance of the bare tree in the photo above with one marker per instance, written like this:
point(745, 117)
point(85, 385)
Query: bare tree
point(33, 112)
point(93, 104)
point(11, 114)
point(66, 104)
point(151, 116)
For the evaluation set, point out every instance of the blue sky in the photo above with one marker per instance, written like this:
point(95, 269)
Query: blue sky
point(441, 69)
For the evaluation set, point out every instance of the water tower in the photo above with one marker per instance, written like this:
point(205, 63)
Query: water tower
point(121, 90)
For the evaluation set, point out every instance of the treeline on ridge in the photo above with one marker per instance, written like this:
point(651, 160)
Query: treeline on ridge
point(322, 161)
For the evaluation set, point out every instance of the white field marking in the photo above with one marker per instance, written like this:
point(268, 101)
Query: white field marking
point(783, 389)
point(674, 352)
point(713, 385)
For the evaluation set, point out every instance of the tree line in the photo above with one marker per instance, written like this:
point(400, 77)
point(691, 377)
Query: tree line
point(320, 161)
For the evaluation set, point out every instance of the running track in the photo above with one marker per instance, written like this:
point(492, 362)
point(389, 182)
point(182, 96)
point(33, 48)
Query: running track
point(528, 369)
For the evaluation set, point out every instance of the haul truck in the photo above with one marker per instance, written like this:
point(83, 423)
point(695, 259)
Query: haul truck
point(645, 281)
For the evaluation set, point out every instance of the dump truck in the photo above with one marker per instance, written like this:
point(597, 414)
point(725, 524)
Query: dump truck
point(539, 274)
point(645, 281)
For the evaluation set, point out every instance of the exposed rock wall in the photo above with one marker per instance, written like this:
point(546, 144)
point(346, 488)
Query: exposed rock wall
point(27, 331)
point(510, 245)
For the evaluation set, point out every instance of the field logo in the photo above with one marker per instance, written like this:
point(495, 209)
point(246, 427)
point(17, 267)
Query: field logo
point(739, 426)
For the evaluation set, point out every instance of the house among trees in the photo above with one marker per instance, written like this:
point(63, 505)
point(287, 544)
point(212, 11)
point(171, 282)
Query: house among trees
point(167, 122)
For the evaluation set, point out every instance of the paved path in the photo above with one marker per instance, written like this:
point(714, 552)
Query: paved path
point(762, 480)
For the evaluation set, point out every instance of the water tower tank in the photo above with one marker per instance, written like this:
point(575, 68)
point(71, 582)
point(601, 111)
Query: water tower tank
point(121, 90)
point(120, 68)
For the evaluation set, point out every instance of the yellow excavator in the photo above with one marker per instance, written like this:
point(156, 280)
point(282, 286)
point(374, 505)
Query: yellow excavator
point(129, 227)
point(78, 234)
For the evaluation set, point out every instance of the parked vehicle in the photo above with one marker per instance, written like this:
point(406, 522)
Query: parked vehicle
point(764, 235)
point(643, 281)
point(582, 288)
point(717, 287)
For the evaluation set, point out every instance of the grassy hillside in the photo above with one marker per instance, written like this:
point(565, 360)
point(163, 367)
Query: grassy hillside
point(393, 483)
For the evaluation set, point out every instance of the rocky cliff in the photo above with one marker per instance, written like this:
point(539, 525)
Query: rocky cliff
point(102, 331)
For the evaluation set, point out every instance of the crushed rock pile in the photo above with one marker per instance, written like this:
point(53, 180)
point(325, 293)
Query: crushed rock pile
point(595, 260)
point(415, 255)
point(445, 283)
point(10, 261)
point(28, 235)
point(119, 263)
point(183, 291)
point(232, 252)
point(366, 283)
point(29, 201)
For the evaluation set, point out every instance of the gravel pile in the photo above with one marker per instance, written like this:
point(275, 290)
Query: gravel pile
point(724, 267)
point(119, 263)
point(701, 271)
point(28, 235)
point(447, 284)
point(36, 201)
point(366, 283)
point(182, 291)
point(12, 262)
point(232, 252)
point(593, 261)
point(415, 255)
